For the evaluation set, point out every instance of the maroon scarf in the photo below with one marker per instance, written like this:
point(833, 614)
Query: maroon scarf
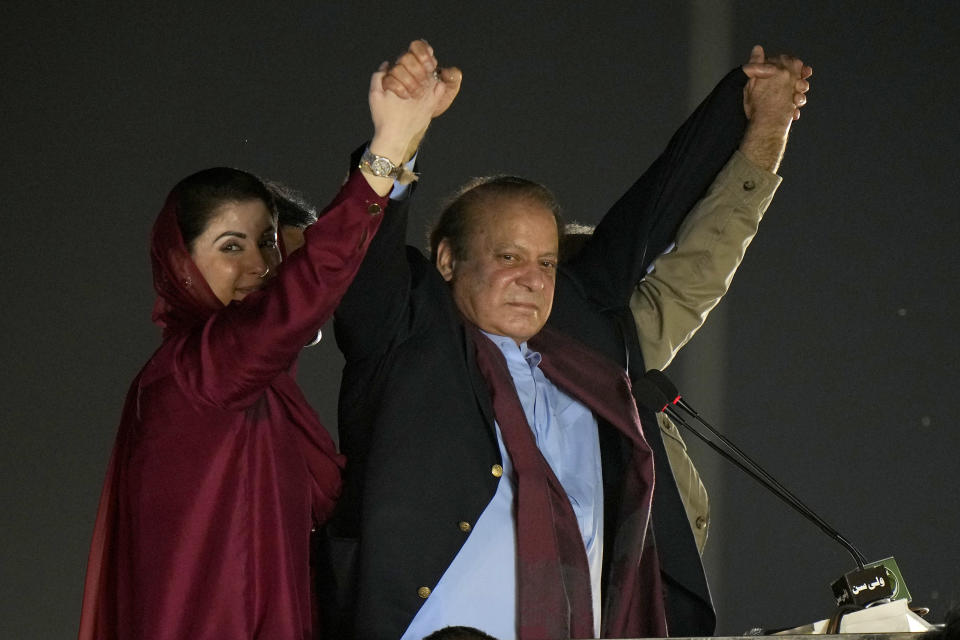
point(554, 592)
point(184, 298)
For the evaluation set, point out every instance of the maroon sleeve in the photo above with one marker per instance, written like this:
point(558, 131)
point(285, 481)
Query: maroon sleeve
point(242, 348)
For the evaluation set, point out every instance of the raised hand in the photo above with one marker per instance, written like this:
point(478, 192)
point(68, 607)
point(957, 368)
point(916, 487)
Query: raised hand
point(416, 76)
point(775, 83)
point(772, 98)
point(403, 100)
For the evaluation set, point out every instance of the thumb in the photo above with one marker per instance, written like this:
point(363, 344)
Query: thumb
point(376, 80)
point(451, 78)
point(757, 67)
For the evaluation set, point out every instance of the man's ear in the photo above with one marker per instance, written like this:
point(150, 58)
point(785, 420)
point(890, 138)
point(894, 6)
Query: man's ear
point(445, 261)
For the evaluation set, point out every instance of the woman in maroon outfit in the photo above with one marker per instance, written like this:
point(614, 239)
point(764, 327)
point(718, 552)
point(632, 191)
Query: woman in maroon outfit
point(220, 468)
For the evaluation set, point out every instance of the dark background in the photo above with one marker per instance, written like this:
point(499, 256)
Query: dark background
point(832, 360)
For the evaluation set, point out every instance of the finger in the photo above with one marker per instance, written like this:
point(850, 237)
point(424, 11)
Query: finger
point(402, 75)
point(796, 114)
point(419, 60)
point(392, 84)
point(801, 86)
point(411, 63)
point(806, 72)
point(759, 69)
point(376, 80)
point(422, 50)
point(796, 66)
point(756, 54)
point(799, 99)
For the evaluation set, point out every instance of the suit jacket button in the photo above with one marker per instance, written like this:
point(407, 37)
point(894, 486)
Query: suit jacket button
point(496, 470)
point(701, 522)
point(464, 526)
point(424, 592)
point(749, 185)
point(374, 209)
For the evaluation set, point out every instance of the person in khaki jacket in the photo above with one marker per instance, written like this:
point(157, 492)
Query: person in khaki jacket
point(672, 302)
point(684, 284)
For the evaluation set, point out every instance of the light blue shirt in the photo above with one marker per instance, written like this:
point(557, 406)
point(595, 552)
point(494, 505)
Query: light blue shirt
point(479, 588)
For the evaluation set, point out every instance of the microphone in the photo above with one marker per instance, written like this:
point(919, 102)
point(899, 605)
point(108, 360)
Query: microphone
point(650, 396)
point(669, 390)
point(862, 586)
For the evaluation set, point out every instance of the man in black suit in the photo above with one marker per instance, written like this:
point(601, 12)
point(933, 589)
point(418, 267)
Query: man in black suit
point(426, 534)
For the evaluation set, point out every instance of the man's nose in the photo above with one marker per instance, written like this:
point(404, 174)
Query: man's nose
point(532, 278)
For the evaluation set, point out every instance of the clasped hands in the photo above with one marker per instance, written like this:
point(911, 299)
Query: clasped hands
point(777, 87)
point(406, 96)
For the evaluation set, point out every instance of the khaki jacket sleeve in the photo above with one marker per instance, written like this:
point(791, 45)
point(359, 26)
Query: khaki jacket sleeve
point(685, 284)
point(672, 302)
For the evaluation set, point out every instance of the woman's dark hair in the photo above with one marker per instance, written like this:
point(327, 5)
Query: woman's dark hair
point(199, 195)
point(459, 218)
point(293, 210)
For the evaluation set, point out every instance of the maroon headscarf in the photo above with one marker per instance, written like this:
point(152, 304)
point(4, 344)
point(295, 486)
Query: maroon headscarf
point(184, 298)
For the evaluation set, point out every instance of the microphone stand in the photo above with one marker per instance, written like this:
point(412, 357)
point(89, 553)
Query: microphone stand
point(656, 392)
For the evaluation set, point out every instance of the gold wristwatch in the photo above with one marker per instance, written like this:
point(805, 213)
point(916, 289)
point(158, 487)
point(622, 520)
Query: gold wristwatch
point(379, 166)
point(383, 167)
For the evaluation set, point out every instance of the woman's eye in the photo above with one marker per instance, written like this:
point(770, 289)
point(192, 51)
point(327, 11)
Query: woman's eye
point(508, 257)
point(230, 247)
point(268, 243)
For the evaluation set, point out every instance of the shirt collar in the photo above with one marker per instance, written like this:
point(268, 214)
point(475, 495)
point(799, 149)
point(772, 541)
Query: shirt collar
point(513, 351)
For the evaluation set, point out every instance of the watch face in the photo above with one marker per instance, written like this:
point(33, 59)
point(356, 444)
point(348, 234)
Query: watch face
point(381, 167)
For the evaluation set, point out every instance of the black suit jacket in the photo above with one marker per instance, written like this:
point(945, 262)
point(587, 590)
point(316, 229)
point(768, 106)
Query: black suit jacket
point(415, 418)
